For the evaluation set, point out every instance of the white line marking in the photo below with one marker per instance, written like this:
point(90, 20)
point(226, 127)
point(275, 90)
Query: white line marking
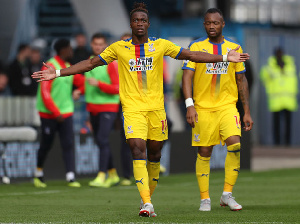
point(31, 193)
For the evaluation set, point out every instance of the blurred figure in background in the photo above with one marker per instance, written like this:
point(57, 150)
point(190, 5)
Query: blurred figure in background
point(179, 97)
point(4, 89)
point(36, 59)
point(56, 107)
point(102, 99)
point(81, 51)
point(126, 158)
point(19, 71)
point(279, 77)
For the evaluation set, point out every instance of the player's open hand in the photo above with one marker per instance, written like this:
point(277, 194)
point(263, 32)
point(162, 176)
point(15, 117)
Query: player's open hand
point(44, 75)
point(234, 56)
point(248, 122)
point(191, 116)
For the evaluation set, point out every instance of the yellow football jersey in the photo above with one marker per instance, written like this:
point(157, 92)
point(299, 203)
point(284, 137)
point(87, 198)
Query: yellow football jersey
point(141, 71)
point(214, 84)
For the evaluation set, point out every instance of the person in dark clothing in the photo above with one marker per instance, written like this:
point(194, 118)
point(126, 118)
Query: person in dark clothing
point(56, 107)
point(19, 71)
point(80, 52)
point(4, 89)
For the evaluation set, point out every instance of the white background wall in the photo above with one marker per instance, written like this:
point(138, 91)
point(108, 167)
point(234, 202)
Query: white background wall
point(102, 15)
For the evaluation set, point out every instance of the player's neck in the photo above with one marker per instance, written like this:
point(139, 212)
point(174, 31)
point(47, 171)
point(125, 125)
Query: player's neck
point(216, 40)
point(140, 40)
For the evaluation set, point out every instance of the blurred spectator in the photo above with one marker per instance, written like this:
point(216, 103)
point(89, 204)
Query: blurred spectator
point(178, 96)
point(56, 107)
point(126, 158)
point(80, 52)
point(279, 76)
point(102, 101)
point(19, 74)
point(125, 36)
point(4, 89)
point(36, 59)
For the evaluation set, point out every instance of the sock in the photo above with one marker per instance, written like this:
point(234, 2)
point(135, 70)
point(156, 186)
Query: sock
point(39, 172)
point(70, 176)
point(141, 179)
point(112, 173)
point(202, 173)
point(102, 176)
point(232, 166)
point(153, 172)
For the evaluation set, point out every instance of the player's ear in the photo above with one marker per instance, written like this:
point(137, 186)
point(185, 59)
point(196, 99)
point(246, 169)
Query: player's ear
point(223, 24)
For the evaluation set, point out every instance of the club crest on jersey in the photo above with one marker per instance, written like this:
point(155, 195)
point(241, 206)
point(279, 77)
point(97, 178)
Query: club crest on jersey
point(196, 138)
point(151, 47)
point(217, 68)
point(141, 64)
point(129, 131)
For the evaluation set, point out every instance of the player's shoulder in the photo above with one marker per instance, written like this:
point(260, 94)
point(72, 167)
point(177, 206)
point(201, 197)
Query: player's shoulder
point(199, 41)
point(231, 42)
point(157, 40)
point(122, 42)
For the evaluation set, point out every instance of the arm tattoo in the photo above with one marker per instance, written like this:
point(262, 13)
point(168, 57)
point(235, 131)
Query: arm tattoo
point(242, 85)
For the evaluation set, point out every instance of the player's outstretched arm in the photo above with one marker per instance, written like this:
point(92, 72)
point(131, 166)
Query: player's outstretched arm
point(191, 114)
point(243, 89)
point(80, 67)
point(203, 57)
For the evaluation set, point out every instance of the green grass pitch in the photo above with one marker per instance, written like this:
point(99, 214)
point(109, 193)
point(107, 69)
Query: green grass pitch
point(267, 197)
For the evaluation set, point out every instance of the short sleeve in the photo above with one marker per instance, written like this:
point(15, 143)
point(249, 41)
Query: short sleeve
point(240, 66)
point(109, 54)
point(189, 65)
point(172, 49)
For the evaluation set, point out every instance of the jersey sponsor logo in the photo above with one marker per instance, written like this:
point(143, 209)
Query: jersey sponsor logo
point(196, 138)
point(127, 47)
point(151, 47)
point(217, 68)
point(129, 131)
point(141, 64)
point(204, 50)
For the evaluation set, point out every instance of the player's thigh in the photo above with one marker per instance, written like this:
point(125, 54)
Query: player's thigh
point(157, 125)
point(230, 124)
point(206, 130)
point(135, 125)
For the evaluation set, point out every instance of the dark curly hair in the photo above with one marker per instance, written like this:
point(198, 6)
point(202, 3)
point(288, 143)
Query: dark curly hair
point(139, 7)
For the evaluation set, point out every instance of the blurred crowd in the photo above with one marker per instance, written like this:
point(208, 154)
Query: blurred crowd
point(15, 77)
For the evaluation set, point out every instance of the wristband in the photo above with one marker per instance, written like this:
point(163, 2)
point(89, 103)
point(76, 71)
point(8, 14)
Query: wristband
point(57, 73)
point(225, 58)
point(189, 102)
